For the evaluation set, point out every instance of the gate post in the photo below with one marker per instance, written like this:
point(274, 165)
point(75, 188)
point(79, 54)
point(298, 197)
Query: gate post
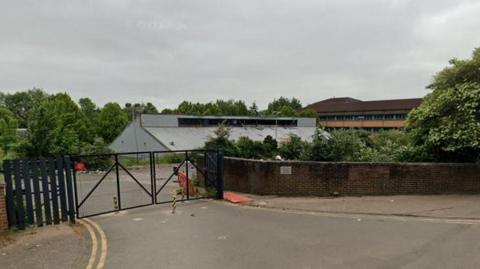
point(118, 183)
point(220, 169)
point(68, 174)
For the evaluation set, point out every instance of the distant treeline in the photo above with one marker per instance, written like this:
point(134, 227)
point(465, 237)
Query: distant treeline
point(55, 124)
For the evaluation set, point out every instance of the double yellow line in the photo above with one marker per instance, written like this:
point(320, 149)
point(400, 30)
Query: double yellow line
point(93, 228)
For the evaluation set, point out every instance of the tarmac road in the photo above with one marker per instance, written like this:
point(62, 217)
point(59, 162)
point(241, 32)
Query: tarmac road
point(212, 234)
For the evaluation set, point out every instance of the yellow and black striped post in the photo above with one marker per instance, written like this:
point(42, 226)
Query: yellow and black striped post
point(174, 203)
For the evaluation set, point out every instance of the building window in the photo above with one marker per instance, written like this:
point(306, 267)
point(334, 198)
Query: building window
point(390, 117)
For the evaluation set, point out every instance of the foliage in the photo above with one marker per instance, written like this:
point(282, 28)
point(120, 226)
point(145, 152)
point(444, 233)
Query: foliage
point(283, 107)
point(111, 121)
point(57, 127)
point(293, 148)
point(23, 103)
point(270, 146)
point(88, 108)
point(247, 148)
point(447, 124)
point(140, 108)
point(8, 130)
point(98, 162)
point(279, 107)
point(221, 141)
point(344, 145)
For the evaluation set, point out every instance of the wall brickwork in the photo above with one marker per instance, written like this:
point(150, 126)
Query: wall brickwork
point(3, 209)
point(322, 178)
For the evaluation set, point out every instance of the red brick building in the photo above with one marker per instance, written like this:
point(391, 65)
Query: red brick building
point(373, 116)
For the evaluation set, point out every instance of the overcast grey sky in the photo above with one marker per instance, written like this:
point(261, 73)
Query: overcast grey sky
point(168, 51)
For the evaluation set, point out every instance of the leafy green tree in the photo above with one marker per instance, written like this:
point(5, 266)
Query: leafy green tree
point(283, 107)
point(270, 146)
point(308, 113)
point(22, 103)
point(253, 110)
point(2, 99)
point(221, 141)
point(111, 121)
point(168, 111)
point(89, 108)
point(341, 145)
point(96, 162)
point(149, 108)
point(8, 130)
point(447, 123)
point(57, 127)
point(293, 148)
point(247, 148)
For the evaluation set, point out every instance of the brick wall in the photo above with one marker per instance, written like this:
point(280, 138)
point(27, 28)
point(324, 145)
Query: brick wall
point(322, 178)
point(3, 209)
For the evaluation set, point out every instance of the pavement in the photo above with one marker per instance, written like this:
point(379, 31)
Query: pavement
point(213, 234)
point(270, 232)
point(434, 206)
point(55, 246)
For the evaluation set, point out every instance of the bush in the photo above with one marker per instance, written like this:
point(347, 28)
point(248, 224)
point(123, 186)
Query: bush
point(221, 141)
point(97, 162)
point(293, 148)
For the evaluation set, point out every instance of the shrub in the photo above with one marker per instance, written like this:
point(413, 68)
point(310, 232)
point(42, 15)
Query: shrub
point(293, 148)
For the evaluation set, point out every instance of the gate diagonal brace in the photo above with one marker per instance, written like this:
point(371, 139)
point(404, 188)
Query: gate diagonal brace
point(96, 186)
point(169, 178)
point(134, 179)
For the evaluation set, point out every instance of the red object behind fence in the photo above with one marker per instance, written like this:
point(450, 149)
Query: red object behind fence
point(79, 166)
point(182, 181)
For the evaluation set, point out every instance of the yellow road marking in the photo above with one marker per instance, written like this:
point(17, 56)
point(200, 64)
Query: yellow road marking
point(93, 254)
point(103, 240)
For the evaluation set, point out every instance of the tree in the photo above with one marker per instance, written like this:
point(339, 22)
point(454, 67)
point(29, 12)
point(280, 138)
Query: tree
point(447, 123)
point(253, 110)
point(57, 127)
point(308, 113)
point(247, 148)
point(96, 162)
point(8, 130)
point(89, 108)
point(221, 141)
point(2, 99)
point(149, 108)
point(293, 148)
point(283, 107)
point(111, 121)
point(22, 103)
point(270, 146)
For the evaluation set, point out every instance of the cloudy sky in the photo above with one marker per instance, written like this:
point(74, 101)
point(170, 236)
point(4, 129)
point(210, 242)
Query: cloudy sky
point(167, 51)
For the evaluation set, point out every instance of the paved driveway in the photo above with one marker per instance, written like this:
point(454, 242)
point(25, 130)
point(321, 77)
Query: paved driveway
point(211, 234)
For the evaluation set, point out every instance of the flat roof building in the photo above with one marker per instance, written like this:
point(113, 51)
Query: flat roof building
point(347, 112)
point(157, 132)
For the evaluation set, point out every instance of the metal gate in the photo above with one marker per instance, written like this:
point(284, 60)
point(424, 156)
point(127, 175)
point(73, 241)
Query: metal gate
point(109, 183)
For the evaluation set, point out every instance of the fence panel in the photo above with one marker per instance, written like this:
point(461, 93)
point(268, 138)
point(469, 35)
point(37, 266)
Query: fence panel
point(28, 182)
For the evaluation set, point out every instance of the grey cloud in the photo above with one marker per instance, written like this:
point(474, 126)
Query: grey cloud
point(169, 51)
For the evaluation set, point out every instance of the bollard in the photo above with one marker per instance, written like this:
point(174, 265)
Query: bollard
point(174, 203)
point(115, 203)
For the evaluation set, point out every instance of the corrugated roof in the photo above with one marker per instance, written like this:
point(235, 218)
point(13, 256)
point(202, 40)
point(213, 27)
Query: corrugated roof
point(346, 104)
point(184, 138)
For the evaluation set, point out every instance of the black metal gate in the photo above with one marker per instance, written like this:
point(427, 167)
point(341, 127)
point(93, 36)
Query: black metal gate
point(112, 182)
point(48, 191)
